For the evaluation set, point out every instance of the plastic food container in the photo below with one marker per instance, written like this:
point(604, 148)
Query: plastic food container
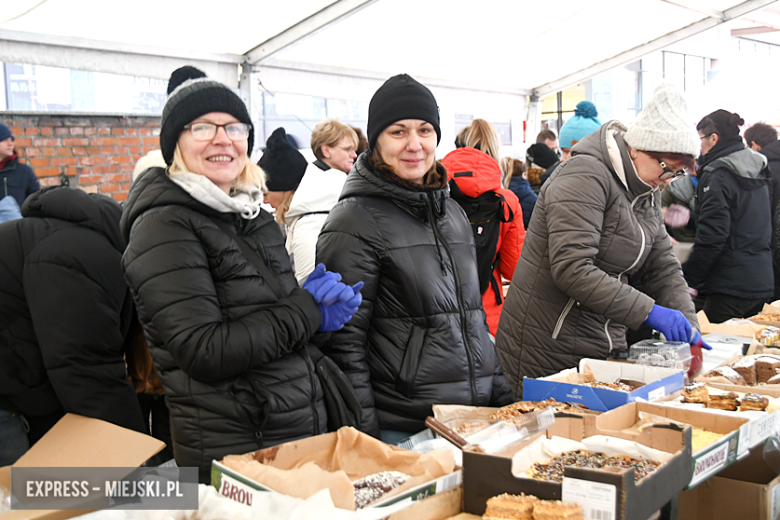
point(668, 354)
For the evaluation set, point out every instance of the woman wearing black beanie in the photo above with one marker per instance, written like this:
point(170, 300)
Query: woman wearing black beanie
point(730, 266)
point(420, 336)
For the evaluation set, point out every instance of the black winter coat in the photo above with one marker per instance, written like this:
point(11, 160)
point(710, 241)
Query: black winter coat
point(420, 336)
point(522, 188)
point(229, 352)
point(732, 252)
point(17, 180)
point(772, 154)
point(65, 310)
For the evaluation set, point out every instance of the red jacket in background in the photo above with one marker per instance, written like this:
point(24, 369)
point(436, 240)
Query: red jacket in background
point(486, 176)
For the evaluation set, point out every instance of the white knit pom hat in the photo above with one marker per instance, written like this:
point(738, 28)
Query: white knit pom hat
point(664, 125)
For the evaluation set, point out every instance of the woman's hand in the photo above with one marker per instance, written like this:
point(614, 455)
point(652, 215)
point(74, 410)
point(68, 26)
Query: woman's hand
point(670, 322)
point(336, 300)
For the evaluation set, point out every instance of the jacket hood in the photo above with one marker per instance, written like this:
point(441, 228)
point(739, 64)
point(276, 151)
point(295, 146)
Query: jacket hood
point(362, 181)
point(771, 151)
point(607, 145)
point(747, 167)
point(154, 189)
point(474, 171)
point(91, 210)
point(318, 191)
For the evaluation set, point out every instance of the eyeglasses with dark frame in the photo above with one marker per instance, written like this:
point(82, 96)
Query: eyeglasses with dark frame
point(668, 172)
point(207, 131)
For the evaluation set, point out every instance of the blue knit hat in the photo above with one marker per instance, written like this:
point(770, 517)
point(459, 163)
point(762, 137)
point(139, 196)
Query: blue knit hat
point(5, 133)
point(585, 121)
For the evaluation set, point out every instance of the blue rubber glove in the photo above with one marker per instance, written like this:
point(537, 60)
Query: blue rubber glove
point(321, 283)
point(672, 323)
point(338, 313)
point(696, 340)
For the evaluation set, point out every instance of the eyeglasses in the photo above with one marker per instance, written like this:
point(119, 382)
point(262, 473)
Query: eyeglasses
point(705, 136)
point(668, 172)
point(207, 131)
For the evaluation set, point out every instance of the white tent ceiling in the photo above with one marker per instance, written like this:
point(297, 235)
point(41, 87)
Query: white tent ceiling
point(516, 46)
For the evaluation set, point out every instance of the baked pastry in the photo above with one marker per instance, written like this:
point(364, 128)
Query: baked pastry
point(620, 387)
point(746, 367)
point(523, 407)
point(727, 372)
point(728, 401)
point(774, 380)
point(766, 367)
point(372, 487)
point(555, 510)
point(553, 470)
point(695, 393)
point(519, 507)
point(766, 317)
point(769, 336)
point(700, 439)
point(753, 402)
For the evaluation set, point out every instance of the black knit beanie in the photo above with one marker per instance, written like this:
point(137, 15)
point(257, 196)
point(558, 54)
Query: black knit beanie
point(192, 99)
point(181, 75)
point(541, 155)
point(401, 97)
point(283, 165)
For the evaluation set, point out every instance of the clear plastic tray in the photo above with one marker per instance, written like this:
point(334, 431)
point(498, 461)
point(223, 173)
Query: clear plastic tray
point(493, 435)
point(669, 354)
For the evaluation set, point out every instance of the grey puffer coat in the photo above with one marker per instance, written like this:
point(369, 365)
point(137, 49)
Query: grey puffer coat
point(595, 224)
point(420, 336)
point(229, 352)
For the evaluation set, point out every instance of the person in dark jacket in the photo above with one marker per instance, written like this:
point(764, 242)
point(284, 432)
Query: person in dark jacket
point(762, 138)
point(598, 222)
point(65, 311)
point(541, 161)
point(420, 337)
point(730, 265)
point(514, 175)
point(17, 180)
point(228, 335)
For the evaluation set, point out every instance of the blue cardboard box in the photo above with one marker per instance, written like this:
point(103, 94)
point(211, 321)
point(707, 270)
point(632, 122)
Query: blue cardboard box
point(567, 387)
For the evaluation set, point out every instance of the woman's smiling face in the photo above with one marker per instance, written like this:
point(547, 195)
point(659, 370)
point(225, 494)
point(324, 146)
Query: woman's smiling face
point(409, 148)
point(219, 159)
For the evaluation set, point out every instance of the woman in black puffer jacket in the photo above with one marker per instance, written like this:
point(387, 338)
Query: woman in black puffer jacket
point(420, 337)
point(227, 338)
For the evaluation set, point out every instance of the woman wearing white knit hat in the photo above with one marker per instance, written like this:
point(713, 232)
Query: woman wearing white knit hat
point(598, 221)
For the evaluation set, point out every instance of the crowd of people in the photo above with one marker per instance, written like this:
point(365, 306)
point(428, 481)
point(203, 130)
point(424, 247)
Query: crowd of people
point(424, 281)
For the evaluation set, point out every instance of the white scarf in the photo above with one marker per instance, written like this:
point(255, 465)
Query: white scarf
point(246, 204)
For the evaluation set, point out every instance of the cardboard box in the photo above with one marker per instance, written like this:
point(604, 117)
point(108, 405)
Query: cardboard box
point(485, 476)
point(659, 382)
point(705, 462)
point(80, 442)
point(747, 489)
point(421, 498)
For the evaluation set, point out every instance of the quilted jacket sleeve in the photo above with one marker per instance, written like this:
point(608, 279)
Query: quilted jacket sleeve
point(575, 217)
point(170, 273)
point(512, 236)
point(347, 246)
point(80, 305)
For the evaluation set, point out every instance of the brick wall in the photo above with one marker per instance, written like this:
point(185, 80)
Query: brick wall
point(94, 153)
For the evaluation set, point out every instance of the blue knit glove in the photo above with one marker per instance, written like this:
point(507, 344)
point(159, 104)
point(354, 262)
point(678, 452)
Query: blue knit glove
point(672, 323)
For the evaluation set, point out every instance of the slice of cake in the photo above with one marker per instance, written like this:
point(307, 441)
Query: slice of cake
point(696, 393)
point(728, 401)
point(506, 506)
point(746, 367)
point(373, 487)
point(753, 402)
point(774, 380)
point(766, 367)
point(727, 372)
point(557, 510)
